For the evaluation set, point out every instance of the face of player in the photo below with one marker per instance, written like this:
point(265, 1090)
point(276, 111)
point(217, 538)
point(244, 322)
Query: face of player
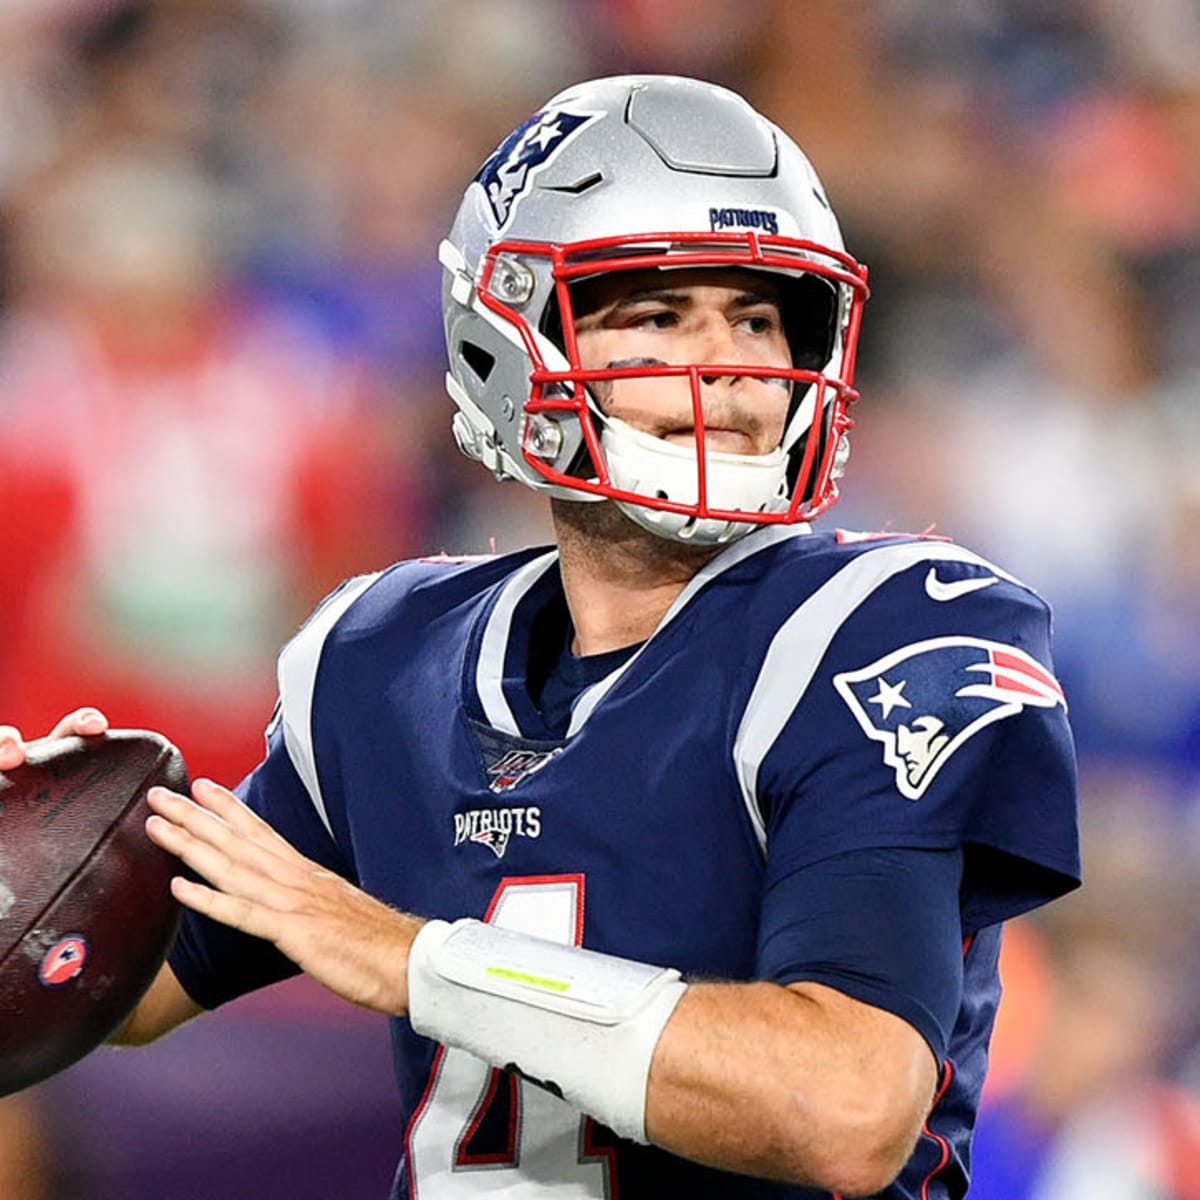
point(722, 316)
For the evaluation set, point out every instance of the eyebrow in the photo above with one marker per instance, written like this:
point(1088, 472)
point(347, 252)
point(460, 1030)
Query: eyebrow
point(683, 300)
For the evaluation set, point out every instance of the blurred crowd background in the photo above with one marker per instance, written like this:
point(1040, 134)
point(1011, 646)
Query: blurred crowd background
point(220, 393)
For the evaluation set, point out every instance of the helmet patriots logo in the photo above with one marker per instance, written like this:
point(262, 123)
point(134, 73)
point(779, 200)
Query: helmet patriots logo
point(507, 174)
point(927, 699)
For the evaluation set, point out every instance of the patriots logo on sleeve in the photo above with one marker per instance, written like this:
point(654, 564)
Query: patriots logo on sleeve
point(508, 173)
point(927, 699)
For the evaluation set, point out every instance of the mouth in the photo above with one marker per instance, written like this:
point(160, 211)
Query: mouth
point(726, 440)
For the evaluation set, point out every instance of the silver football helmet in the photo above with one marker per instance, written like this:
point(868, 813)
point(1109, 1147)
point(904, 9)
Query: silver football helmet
point(633, 173)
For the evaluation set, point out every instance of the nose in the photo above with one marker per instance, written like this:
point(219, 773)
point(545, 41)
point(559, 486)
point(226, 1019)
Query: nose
point(717, 344)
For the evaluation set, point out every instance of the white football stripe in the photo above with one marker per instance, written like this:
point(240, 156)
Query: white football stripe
point(489, 671)
point(297, 674)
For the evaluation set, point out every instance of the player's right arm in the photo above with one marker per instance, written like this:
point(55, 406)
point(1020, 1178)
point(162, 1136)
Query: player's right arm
point(165, 1004)
point(164, 1007)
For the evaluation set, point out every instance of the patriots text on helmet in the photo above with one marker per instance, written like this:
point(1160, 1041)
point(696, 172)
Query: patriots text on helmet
point(744, 218)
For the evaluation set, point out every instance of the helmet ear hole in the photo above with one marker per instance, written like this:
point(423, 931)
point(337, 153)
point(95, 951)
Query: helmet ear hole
point(478, 359)
point(551, 325)
point(810, 321)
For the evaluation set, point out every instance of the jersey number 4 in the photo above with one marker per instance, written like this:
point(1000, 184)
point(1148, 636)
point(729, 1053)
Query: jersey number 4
point(475, 1121)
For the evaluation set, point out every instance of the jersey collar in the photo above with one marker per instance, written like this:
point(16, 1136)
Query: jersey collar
point(497, 675)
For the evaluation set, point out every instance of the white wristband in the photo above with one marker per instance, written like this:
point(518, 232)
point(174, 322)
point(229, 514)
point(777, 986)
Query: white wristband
point(583, 1025)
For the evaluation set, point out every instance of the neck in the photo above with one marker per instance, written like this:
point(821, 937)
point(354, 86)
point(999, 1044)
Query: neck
point(619, 579)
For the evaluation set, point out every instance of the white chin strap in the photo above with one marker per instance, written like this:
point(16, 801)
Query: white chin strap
point(640, 462)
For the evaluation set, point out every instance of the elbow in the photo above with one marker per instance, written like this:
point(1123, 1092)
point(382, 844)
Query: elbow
point(864, 1171)
point(858, 1147)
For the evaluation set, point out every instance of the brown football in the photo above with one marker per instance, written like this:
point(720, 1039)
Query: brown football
point(86, 913)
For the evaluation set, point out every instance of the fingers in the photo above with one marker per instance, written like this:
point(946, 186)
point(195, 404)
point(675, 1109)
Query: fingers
point(234, 911)
point(238, 816)
point(12, 747)
point(83, 722)
point(254, 887)
point(230, 858)
point(203, 840)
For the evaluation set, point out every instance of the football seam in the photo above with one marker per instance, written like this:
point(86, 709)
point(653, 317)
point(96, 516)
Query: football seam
point(164, 753)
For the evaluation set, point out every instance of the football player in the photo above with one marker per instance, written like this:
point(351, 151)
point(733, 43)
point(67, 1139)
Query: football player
point(678, 853)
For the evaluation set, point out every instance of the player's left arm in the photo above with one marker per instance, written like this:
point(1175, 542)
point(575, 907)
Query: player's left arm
point(795, 1082)
point(800, 1083)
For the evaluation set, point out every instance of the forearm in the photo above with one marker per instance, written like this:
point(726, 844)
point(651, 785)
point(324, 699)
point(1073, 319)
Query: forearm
point(164, 1007)
point(798, 1083)
point(801, 1084)
point(25, 1171)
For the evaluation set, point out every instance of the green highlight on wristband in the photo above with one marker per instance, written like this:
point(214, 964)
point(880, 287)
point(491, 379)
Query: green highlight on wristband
point(551, 985)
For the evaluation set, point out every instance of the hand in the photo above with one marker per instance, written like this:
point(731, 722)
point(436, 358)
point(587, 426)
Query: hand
point(83, 722)
point(346, 940)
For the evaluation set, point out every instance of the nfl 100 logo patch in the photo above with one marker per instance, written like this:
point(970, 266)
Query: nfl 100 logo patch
point(505, 772)
point(506, 763)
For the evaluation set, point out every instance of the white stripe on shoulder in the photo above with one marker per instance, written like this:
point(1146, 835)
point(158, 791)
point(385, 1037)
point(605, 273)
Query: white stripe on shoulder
point(297, 672)
point(742, 549)
point(801, 642)
point(489, 671)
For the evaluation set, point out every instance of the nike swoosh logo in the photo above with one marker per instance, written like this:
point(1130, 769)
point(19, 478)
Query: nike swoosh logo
point(940, 590)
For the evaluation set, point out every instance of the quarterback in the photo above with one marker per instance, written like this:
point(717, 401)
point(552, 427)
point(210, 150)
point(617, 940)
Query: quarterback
point(678, 852)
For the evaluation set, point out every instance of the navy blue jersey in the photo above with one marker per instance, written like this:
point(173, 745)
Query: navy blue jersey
point(806, 697)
